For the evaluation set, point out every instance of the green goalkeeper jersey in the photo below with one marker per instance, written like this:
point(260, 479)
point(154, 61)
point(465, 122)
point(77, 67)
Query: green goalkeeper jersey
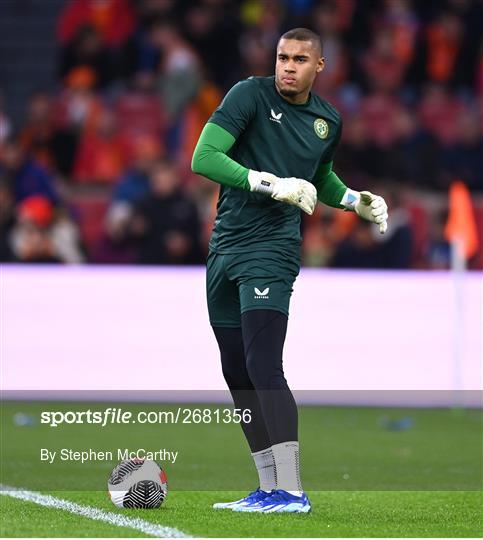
point(275, 136)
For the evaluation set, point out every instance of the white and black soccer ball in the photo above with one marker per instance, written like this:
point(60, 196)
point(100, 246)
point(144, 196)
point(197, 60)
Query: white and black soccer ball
point(137, 483)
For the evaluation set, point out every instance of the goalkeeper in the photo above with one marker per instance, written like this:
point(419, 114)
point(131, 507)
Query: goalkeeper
point(270, 144)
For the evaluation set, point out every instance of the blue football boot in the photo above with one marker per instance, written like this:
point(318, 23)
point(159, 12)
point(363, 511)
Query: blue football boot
point(278, 501)
point(254, 497)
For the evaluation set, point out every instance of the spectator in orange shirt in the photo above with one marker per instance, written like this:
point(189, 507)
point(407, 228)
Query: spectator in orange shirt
point(77, 107)
point(100, 157)
point(444, 42)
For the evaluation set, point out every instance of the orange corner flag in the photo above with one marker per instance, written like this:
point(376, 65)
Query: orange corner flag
point(461, 225)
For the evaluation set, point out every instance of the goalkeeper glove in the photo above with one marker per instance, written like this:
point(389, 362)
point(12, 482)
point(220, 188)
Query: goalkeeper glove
point(368, 206)
point(288, 190)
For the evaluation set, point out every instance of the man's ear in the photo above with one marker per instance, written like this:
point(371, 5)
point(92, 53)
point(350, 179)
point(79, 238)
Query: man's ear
point(320, 64)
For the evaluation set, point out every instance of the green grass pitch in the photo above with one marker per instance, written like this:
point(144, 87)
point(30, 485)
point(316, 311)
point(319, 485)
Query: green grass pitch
point(335, 514)
point(367, 474)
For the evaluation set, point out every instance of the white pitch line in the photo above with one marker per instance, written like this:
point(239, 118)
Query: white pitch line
point(112, 518)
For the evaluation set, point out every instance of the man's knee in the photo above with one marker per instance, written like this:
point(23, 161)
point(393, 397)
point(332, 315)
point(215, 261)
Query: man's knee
point(236, 377)
point(263, 374)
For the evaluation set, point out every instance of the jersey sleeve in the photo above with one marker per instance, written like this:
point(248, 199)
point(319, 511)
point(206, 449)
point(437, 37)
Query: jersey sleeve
point(330, 188)
point(210, 158)
point(237, 108)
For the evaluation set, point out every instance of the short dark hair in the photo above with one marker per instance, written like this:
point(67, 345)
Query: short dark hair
point(304, 34)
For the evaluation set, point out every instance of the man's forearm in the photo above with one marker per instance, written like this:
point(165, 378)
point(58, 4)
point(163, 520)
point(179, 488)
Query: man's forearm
point(210, 158)
point(330, 188)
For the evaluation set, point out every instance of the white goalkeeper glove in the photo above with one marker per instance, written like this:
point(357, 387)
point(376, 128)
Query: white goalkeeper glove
point(288, 190)
point(368, 206)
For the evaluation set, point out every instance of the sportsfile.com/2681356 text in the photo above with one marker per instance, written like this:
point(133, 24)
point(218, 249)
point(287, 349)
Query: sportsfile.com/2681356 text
point(115, 415)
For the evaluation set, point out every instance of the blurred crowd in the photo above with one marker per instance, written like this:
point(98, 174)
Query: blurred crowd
point(99, 171)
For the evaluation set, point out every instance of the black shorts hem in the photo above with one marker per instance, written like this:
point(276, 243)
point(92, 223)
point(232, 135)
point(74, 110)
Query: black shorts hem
point(274, 308)
point(224, 325)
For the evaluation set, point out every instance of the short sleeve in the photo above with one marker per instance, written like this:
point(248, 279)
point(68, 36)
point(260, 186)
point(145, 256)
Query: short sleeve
point(237, 108)
point(330, 152)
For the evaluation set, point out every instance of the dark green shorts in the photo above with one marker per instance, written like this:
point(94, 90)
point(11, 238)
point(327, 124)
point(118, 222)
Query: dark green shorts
point(240, 282)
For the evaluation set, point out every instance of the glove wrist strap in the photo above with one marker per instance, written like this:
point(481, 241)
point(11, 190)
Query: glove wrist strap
point(350, 199)
point(258, 184)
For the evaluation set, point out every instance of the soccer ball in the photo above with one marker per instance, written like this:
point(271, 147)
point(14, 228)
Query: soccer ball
point(138, 483)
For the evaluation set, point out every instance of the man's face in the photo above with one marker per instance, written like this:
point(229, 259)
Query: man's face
point(298, 63)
